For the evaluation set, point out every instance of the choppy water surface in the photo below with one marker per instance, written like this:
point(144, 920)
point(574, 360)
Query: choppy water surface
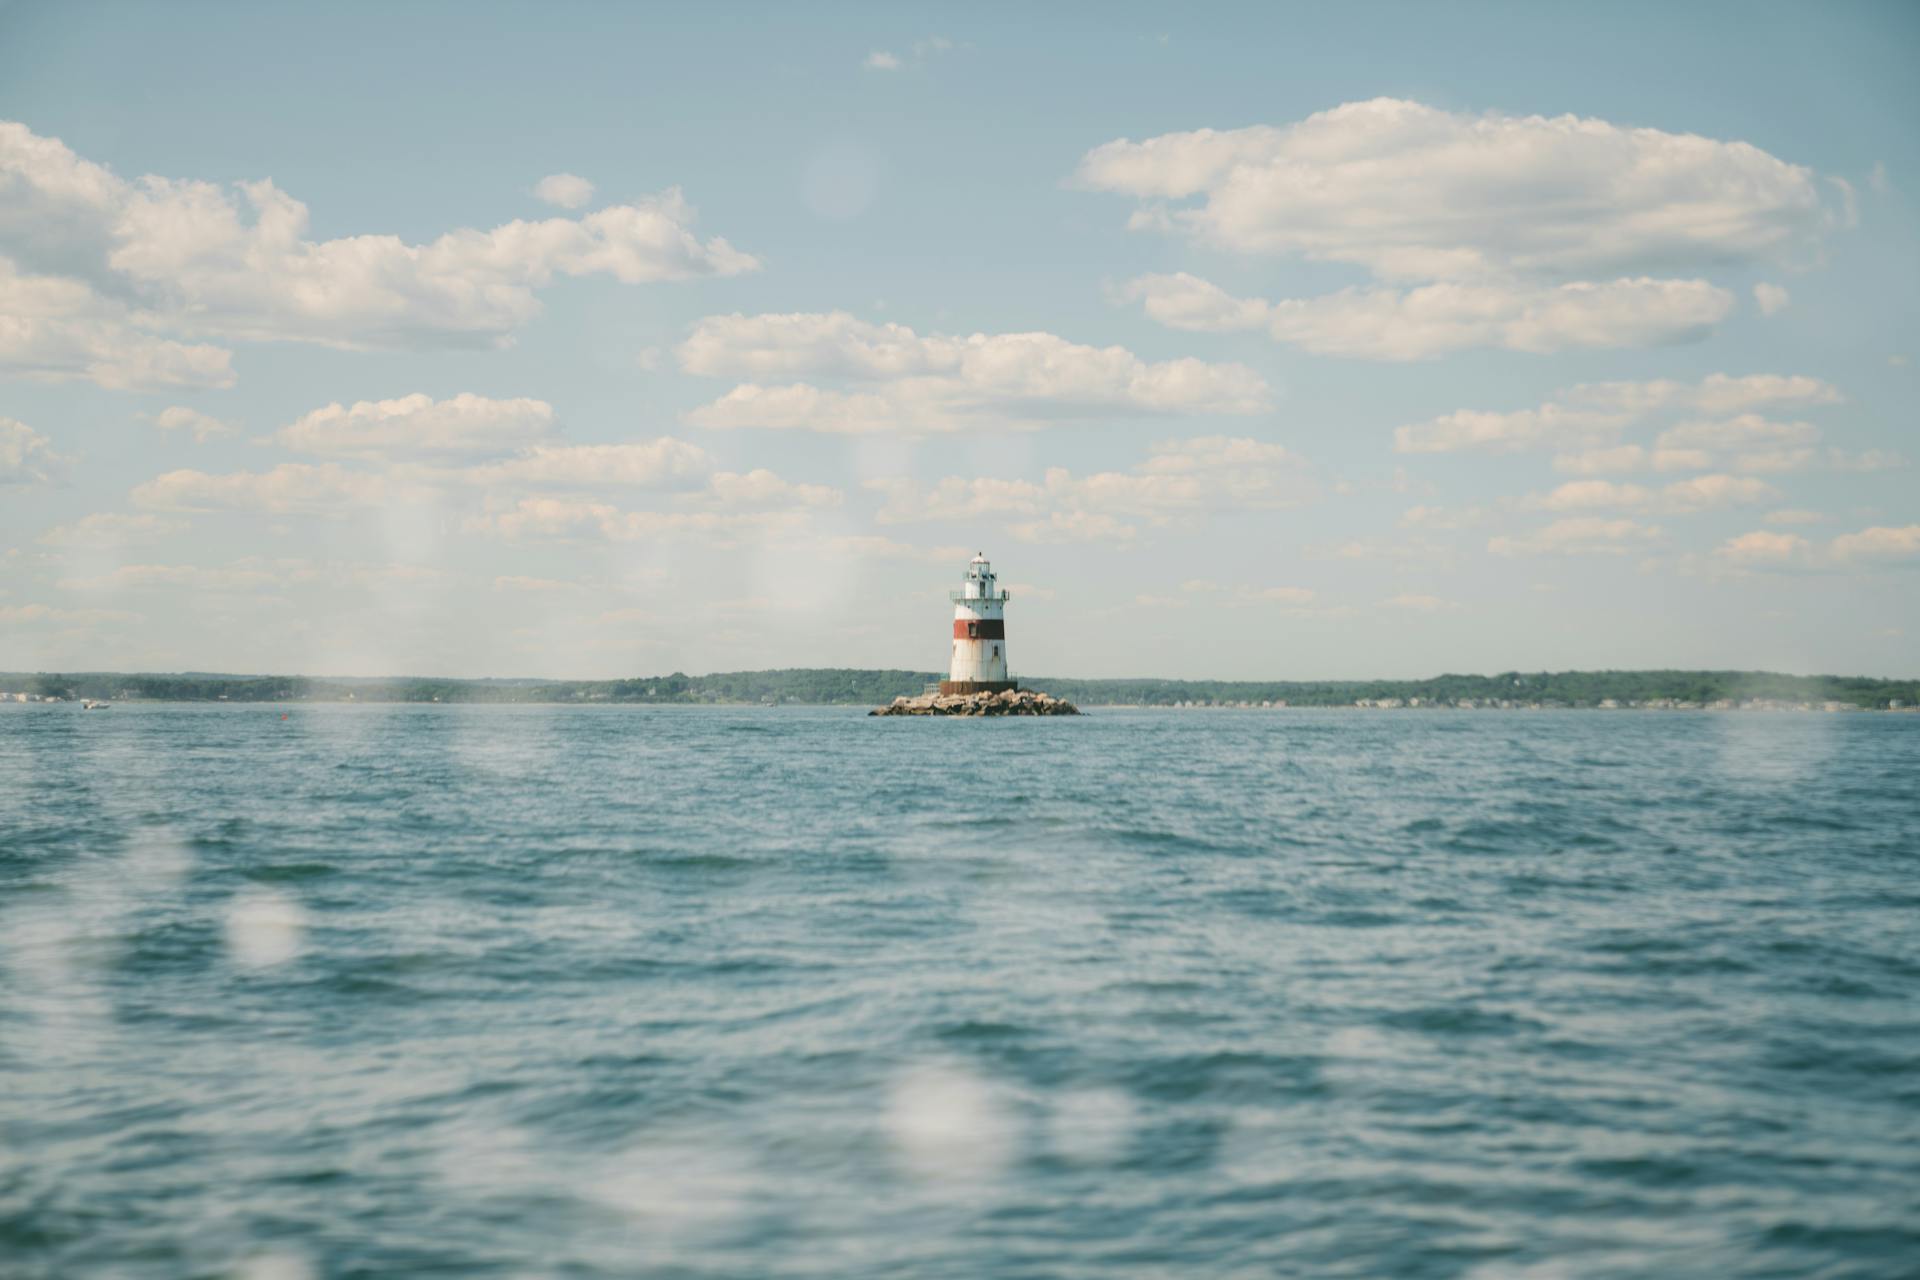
point(557, 992)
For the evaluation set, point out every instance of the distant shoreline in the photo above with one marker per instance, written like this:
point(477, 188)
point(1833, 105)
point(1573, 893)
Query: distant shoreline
point(1663, 690)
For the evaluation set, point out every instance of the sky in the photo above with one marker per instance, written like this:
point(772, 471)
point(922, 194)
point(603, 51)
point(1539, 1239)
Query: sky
point(1294, 342)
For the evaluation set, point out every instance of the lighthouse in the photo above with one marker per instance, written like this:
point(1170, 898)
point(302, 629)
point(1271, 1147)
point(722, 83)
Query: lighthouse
point(979, 634)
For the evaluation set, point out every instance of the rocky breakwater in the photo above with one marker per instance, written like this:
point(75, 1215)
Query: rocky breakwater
point(1011, 702)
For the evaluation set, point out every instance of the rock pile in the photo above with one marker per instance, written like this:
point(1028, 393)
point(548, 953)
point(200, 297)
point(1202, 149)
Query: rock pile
point(1011, 702)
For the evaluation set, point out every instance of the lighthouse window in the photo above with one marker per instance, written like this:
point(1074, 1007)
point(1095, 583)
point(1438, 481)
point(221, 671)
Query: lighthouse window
point(973, 631)
point(996, 651)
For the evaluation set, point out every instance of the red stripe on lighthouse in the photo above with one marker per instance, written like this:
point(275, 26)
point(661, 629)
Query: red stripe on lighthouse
point(983, 629)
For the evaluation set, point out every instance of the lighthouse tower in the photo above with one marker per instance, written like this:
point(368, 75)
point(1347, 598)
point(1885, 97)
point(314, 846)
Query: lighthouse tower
point(979, 634)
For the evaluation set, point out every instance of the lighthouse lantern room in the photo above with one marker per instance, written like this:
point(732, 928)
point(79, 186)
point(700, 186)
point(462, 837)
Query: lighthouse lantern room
point(979, 634)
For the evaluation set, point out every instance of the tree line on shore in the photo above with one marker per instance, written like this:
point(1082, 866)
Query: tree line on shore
point(848, 686)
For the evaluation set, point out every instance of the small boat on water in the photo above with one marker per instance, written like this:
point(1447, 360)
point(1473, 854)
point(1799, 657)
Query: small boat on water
point(90, 704)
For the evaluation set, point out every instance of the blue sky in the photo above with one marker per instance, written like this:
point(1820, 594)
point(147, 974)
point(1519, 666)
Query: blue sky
point(1254, 342)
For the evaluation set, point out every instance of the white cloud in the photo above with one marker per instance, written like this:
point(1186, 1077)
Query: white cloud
point(1179, 479)
point(955, 499)
point(1749, 443)
point(1577, 535)
point(60, 329)
point(26, 456)
point(1554, 426)
point(1772, 299)
point(196, 257)
point(417, 426)
point(204, 427)
point(1699, 493)
point(907, 383)
point(653, 464)
point(1435, 319)
point(1748, 431)
point(1497, 194)
point(107, 530)
point(290, 487)
point(1584, 495)
point(572, 519)
point(1075, 526)
point(1600, 462)
point(1763, 550)
point(1794, 515)
point(192, 577)
point(1590, 416)
point(1879, 545)
point(254, 574)
point(1527, 233)
point(761, 489)
point(567, 190)
point(1708, 492)
point(883, 60)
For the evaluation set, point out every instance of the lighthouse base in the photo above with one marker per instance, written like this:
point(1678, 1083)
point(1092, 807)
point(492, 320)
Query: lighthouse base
point(961, 688)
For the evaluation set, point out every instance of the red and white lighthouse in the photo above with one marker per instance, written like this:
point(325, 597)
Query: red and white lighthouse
point(979, 634)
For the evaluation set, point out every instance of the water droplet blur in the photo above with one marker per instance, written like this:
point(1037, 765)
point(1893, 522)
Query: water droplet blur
point(948, 1125)
point(264, 928)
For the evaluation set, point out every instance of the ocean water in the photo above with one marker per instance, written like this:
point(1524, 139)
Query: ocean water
point(578, 992)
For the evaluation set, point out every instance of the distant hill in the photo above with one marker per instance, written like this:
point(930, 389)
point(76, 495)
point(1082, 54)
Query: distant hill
point(847, 686)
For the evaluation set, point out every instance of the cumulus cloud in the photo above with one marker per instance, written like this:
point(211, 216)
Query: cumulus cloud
point(1761, 549)
point(253, 574)
point(112, 266)
point(26, 456)
point(1708, 492)
point(1592, 415)
point(202, 426)
point(290, 487)
point(1436, 319)
point(60, 329)
point(418, 426)
point(575, 519)
point(1749, 442)
point(1580, 495)
point(193, 577)
point(1498, 194)
point(901, 381)
point(1578, 535)
point(1529, 233)
point(881, 60)
point(1772, 299)
point(567, 190)
point(1601, 462)
point(108, 530)
point(1879, 545)
point(1178, 479)
point(649, 464)
point(1883, 546)
point(1700, 493)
